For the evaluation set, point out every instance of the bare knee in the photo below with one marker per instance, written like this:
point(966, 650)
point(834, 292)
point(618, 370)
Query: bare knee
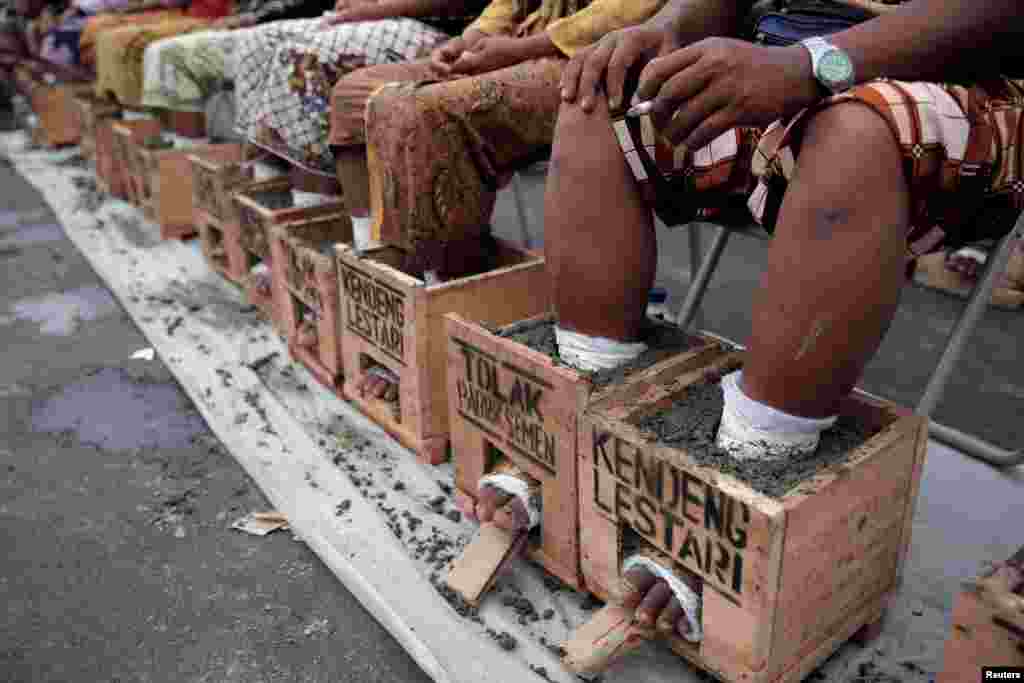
point(582, 141)
point(849, 172)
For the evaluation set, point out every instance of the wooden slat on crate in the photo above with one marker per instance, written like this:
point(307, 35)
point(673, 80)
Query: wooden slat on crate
point(988, 625)
point(785, 580)
point(396, 321)
point(304, 264)
point(259, 207)
point(507, 398)
point(98, 117)
point(60, 119)
point(217, 174)
point(127, 142)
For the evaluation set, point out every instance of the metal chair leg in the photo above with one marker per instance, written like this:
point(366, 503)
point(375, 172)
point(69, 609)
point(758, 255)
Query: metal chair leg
point(973, 311)
point(699, 283)
point(520, 202)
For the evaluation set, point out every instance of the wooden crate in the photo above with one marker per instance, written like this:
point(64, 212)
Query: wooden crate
point(128, 139)
point(506, 398)
point(785, 580)
point(988, 627)
point(260, 207)
point(168, 187)
point(305, 274)
point(216, 175)
point(98, 117)
point(60, 119)
point(391, 319)
point(221, 240)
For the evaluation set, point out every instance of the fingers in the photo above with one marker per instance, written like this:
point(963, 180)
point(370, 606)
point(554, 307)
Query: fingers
point(488, 501)
point(709, 126)
point(571, 75)
point(627, 54)
point(672, 620)
point(661, 69)
point(653, 603)
point(592, 73)
point(467, 506)
point(636, 582)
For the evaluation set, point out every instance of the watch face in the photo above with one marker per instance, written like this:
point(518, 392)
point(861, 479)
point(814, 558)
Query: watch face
point(835, 67)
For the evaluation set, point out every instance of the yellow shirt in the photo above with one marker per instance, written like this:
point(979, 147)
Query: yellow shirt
point(568, 30)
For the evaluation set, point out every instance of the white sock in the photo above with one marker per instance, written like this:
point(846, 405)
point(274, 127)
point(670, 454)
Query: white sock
point(361, 229)
point(514, 486)
point(261, 170)
point(689, 600)
point(751, 429)
point(591, 354)
point(303, 199)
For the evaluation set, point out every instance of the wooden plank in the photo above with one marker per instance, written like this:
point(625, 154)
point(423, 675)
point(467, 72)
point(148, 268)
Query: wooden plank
point(611, 633)
point(980, 636)
point(473, 572)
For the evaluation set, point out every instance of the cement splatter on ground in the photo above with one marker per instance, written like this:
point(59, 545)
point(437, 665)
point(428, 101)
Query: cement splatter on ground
point(61, 313)
point(112, 410)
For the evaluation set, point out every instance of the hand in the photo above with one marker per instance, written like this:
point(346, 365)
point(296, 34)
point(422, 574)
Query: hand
point(612, 58)
point(442, 58)
point(701, 91)
point(656, 606)
point(357, 10)
point(489, 54)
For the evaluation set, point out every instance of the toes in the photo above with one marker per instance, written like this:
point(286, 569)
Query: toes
point(670, 618)
point(653, 603)
point(382, 388)
point(513, 517)
point(634, 586)
point(488, 502)
point(467, 506)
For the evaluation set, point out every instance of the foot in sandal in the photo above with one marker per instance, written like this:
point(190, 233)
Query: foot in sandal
point(378, 382)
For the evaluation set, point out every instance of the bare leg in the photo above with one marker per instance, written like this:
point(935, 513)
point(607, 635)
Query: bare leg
point(599, 236)
point(835, 266)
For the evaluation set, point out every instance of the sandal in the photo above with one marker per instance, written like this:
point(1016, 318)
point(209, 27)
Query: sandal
point(956, 273)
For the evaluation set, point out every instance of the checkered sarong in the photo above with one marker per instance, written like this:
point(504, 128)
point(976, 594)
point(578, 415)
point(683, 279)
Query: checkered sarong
point(962, 148)
point(285, 71)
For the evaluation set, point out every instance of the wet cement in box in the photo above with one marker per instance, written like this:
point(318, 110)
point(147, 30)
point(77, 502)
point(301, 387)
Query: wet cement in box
point(691, 423)
point(663, 341)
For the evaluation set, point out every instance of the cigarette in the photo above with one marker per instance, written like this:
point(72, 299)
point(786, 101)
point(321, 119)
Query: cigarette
point(640, 109)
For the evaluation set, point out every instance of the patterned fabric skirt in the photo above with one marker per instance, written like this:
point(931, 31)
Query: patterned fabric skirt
point(962, 147)
point(439, 149)
point(99, 23)
point(120, 53)
point(284, 73)
point(180, 73)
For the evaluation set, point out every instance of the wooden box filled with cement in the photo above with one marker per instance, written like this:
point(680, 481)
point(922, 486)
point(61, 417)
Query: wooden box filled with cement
point(216, 175)
point(794, 557)
point(221, 238)
point(259, 209)
point(60, 117)
point(95, 117)
point(394, 321)
point(168, 185)
point(988, 624)
point(305, 277)
point(510, 397)
point(129, 137)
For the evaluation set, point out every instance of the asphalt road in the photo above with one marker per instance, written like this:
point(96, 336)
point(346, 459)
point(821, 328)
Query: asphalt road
point(118, 563)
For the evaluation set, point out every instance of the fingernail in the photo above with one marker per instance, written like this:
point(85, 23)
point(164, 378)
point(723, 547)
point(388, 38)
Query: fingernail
point(640, 109)
point(588, 104)
point(565, 94)
point(613, 103)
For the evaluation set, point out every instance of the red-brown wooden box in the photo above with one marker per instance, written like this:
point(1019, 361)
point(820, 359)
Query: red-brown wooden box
point(792, 577)
point(259, 207)
point(392, 319)
point(60, 119)
point(504, 397)
point(988, 627)
point(305, 272)
point(98, 117)
point(216, 175)
point(128, 139)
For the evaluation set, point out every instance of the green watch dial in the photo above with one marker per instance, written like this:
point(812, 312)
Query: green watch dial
point(835, 67)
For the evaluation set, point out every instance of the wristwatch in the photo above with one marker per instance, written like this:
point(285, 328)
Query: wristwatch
point(831, 65)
